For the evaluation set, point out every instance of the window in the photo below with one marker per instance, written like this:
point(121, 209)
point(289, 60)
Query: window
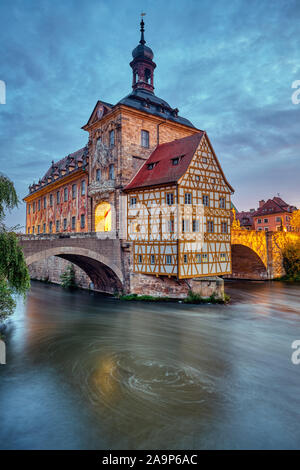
point(223, 256)
point(224, 227)
point(51, 200)
point(98, 174)
point(150, 166)
point(73, 222)
point(266, 229)
point(204, 159)
point(57, 226)
point(188, 198)
point(197, 177)
point(34, 207)
point(204, 257)
point(169, 199)
point(287, 218)
point(222, 202)
point(65, 224)
point(39, 204)
point(195, 225)
point(112, 138)
point(278, 219)
point(57, 197)
point(50, 227)
point(28, 230)
point(169, 259)
point(32, 229)
point(205, 200)
point(198, 258)
point(175, 161)
point(140, 259)
point(259, 229)
point(185, 225)
point(74, 188)
point(133, 201)
point(210, 226)
point(39, 228)
point(65, 194)
point(266, 221)
point(28, 208)
point(185, 259)
point(259, 221)
point(82, 188)
point(44, 228)
point(171, 225)
point(82, 221)
point(145, 139)
point(111, 172)
point(152, 259)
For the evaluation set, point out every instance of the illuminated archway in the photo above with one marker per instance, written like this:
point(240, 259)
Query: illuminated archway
point(103, 217)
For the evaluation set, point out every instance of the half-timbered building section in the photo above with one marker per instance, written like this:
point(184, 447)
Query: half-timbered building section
point(58, 202)
point(179, 211)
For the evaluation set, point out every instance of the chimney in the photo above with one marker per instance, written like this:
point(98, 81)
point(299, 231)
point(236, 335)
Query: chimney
point(261, 203)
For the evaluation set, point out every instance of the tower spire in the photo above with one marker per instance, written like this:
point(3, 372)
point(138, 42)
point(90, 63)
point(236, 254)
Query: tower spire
point(142, 41)
point(142, 64)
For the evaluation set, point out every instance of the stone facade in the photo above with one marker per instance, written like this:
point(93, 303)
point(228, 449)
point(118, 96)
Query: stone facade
point(176, 288)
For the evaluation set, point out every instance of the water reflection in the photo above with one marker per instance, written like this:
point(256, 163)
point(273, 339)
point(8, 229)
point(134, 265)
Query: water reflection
point(85, 371)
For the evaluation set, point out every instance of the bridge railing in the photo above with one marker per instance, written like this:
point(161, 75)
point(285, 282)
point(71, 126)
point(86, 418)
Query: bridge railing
point(57, 236)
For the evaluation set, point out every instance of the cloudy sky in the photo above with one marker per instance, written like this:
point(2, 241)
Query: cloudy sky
point(227, 66)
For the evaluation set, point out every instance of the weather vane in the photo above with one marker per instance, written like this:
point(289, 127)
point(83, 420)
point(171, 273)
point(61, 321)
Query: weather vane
point(143, 14)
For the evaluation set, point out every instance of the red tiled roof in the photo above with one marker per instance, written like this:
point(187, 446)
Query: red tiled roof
point(164, 171)
point(274, 206)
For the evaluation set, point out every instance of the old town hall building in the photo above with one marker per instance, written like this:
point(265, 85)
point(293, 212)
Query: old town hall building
point(147, 176)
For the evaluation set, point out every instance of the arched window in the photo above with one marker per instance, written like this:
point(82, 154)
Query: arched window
point(103, 217)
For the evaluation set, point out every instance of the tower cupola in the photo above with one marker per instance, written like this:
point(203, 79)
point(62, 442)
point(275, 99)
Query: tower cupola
point(142, 65)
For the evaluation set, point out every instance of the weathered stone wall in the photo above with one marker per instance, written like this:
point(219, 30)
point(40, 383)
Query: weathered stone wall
point(50, 269)
point(142, 284)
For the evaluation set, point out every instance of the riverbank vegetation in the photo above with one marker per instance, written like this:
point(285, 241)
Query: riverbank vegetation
point(291, 261)
point(14, 276)
point(191, 298)
point(68, 278)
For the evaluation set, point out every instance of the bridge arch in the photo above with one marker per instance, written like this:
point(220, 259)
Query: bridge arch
point(105, 275)
point(246, 263)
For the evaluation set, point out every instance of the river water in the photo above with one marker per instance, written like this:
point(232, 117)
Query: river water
point(90, 372)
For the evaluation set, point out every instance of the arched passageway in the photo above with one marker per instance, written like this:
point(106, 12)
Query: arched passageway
point(246, 264)
point(105, 276)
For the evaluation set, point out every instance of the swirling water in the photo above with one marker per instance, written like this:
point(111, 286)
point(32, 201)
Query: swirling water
point(86, 371)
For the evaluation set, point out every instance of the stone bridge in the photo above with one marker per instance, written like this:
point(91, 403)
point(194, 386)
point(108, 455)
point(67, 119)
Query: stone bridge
point(103, 260)
point(258, 255)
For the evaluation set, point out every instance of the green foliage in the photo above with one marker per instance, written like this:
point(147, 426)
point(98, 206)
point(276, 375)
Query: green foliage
point(14, 276)
point(194, 298)
point(291, 261)
point(13, 267)
point(148, 298)
point(7, 303)
point(8, 195)
point(68, 278)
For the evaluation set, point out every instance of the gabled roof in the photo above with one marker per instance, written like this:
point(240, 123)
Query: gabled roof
point(164, 171)
point(68, 164)
point(93, 117)
point(274, 206)
point(245, 218)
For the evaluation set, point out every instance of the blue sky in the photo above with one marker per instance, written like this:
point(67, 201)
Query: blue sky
point(227, 66)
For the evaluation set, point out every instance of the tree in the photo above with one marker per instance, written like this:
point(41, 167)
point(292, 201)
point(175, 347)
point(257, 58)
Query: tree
point(14, 276)
point(68, 278)
point(295, 220)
